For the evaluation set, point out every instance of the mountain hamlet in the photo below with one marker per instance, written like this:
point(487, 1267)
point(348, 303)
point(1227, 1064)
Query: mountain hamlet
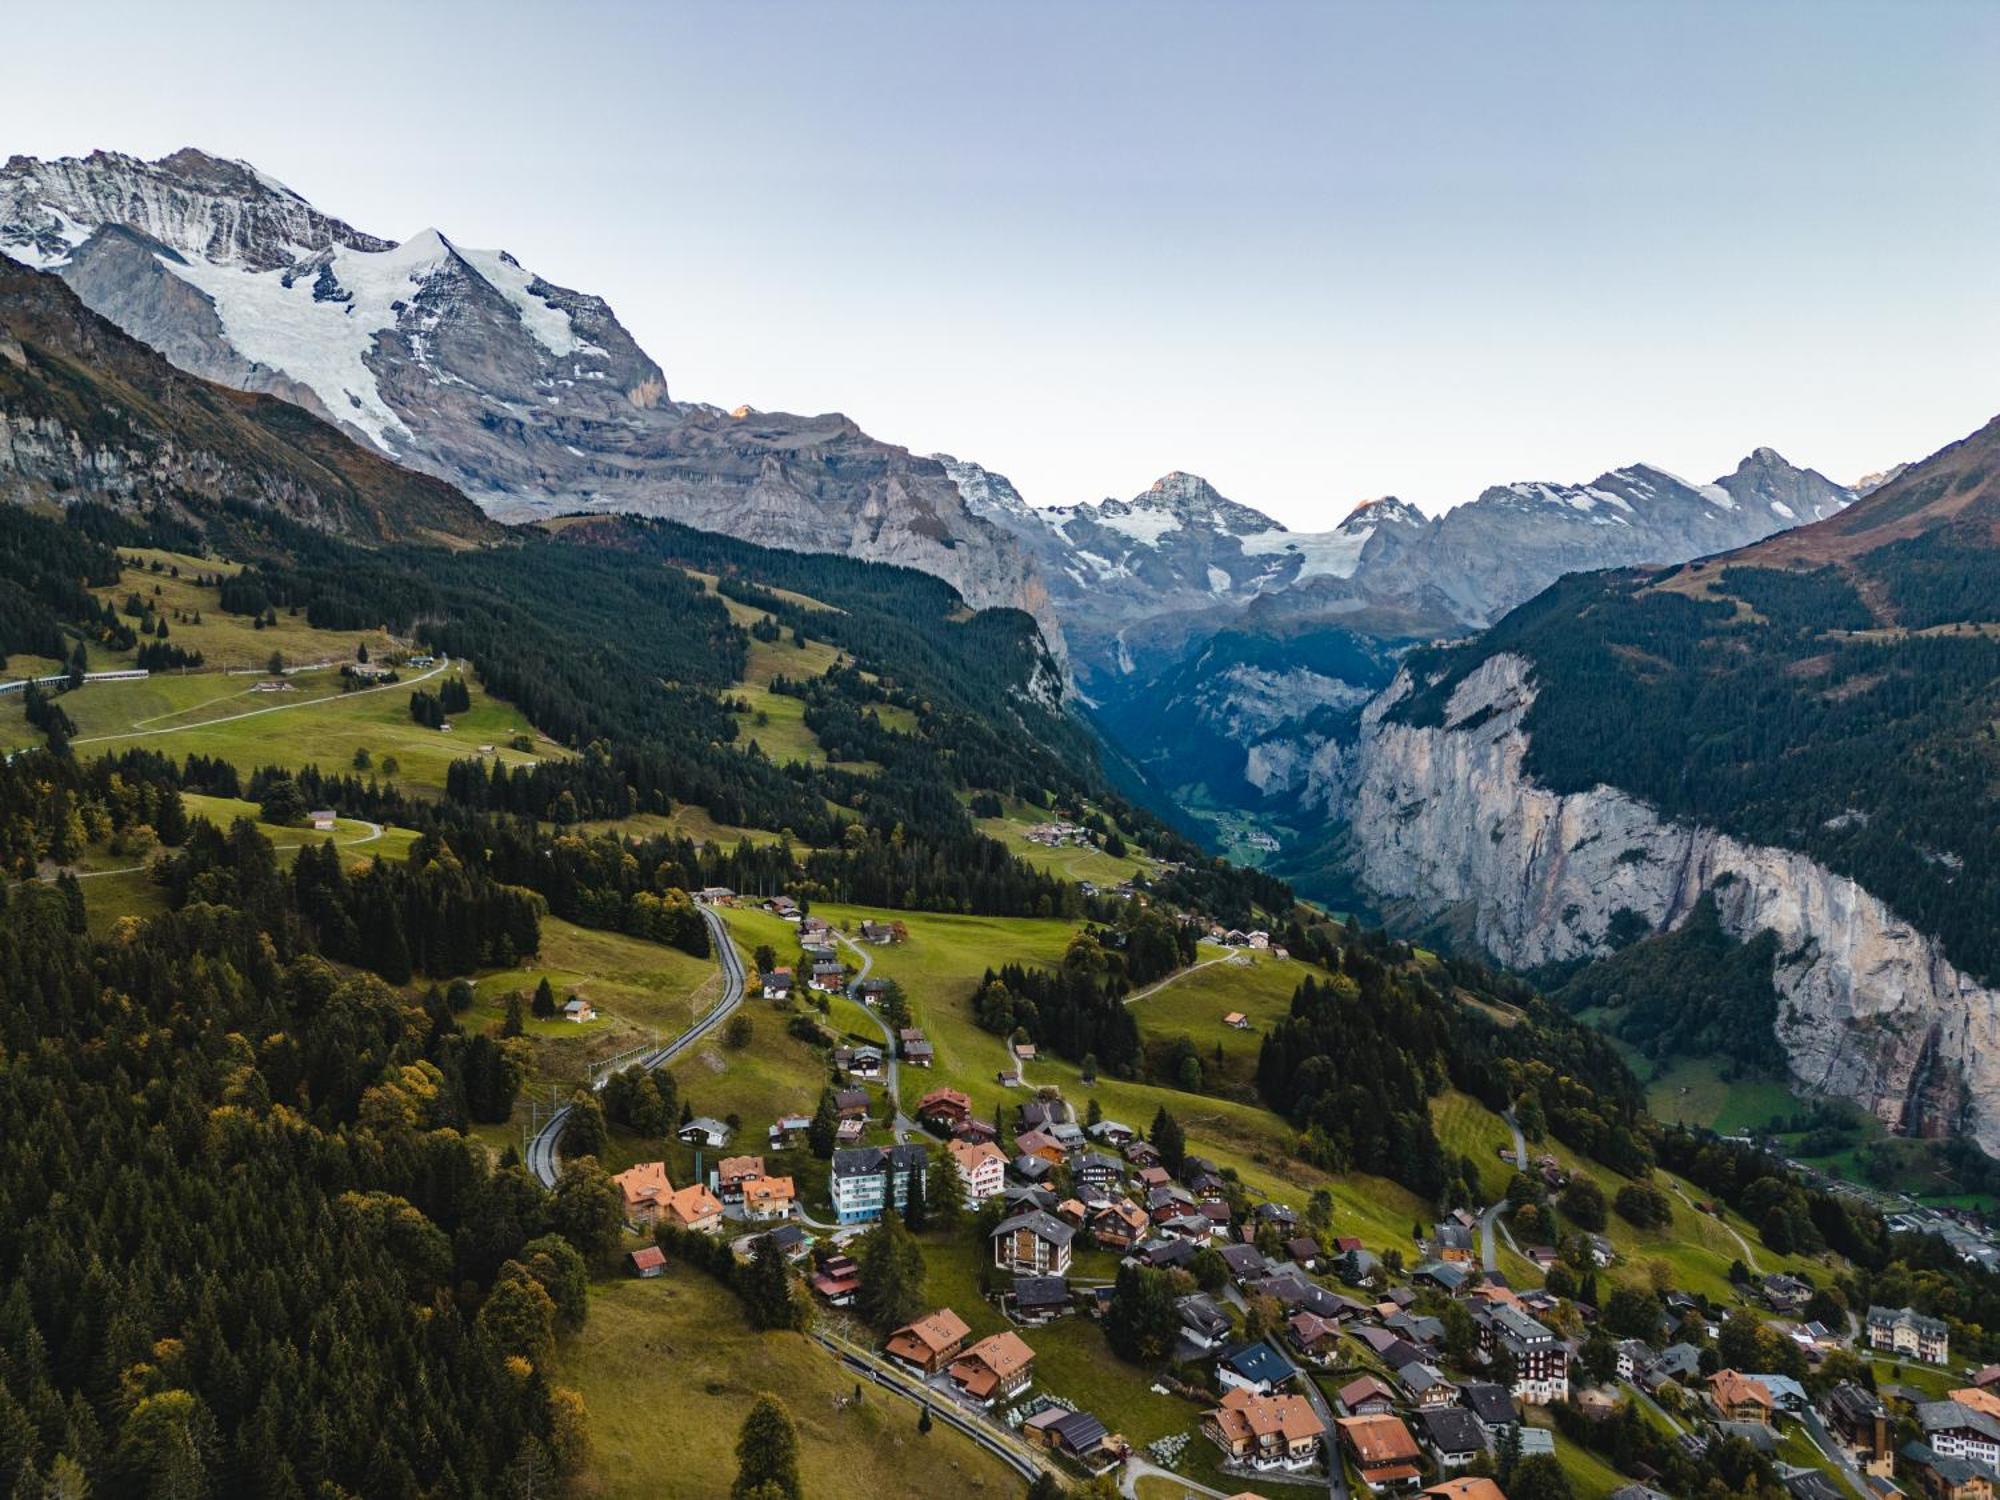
point(756, 962)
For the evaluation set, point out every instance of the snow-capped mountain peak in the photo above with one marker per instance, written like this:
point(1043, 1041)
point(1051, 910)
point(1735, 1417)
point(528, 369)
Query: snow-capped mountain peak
point(1385, 510)
point(531, 397)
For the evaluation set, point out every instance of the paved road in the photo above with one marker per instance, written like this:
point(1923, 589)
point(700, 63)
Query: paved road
point(278, 708)
point(900, 1123)
point(1489, 1219)
point(543, 1159)
point(1816, 1429)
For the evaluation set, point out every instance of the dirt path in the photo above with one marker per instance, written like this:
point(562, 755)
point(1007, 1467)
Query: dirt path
point(1154, 989)
point(253, 713)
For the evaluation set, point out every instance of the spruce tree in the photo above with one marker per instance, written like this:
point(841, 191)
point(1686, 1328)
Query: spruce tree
point(947, 1193)
point(916, 1210)
point(1168, 1140)
point(825, 1126)
point(545, 999)
point(767, 1453)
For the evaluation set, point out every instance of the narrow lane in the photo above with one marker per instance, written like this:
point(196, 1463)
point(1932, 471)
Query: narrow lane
point(542, 1157)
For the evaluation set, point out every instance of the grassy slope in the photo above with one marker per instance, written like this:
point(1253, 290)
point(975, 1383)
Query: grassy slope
point(939, 969)
point(668, 1369)
point(1073, 863)
point(316, 724)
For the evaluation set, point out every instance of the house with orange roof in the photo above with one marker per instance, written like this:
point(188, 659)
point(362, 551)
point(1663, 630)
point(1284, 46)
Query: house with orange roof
point(1466, 1487)
point(998, 1366)
point(982, 1167)
point(949, 1108)
point(645, 1189)
point(1040, 1144)
point(769, 1198)
point(930, 1343)
point(1266, 1432)
point(733, 1172)
point(695, 1207)
point(1119, 1224)
point(1738, 1398)
point(1384, 1453)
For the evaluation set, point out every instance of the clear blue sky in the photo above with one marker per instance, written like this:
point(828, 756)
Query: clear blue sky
point(1314, 252)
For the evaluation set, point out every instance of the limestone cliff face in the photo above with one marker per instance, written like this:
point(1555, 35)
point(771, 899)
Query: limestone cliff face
point(1446, 820)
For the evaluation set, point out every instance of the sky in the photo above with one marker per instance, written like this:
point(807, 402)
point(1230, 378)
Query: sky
point(1315, 253)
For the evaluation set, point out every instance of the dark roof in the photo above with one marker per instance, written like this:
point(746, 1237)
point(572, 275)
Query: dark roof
point(1199, 1311)
point(1451, 1429)
point(1245, 1260)
point(785, 1236)
point(1258, 1362)
point(1492, 1404)
point(1042, 1225)
point(1040, 1291)
point(1079, 1431)
point(859, 1161)
point(1402, 1353)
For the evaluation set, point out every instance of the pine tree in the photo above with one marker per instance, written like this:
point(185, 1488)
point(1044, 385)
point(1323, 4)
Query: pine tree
point(515, 1023)
point(892, 1275)
point(1168, 1140)
point(545, 1000)
point(825, 1126)
point(767, 1453)
point(766, 1288)
point(916, 1210)
point(947, 1193)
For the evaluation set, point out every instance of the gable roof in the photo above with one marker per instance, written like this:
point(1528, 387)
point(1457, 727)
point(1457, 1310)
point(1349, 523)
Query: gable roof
point(1044, 1226)
point(935, 1331)
point(1259, 1362)
point(1451, 1429)
point(1380, 1439)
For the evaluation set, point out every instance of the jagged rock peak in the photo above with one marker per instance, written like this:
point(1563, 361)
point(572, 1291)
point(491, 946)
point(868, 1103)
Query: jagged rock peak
point(198, 204)
point(1198, 503)
point(1384, 510)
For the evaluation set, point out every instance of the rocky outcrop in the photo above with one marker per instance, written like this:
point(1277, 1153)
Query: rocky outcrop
point(1446, 822)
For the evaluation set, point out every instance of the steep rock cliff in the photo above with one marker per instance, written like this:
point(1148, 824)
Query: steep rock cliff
point(1445, 820)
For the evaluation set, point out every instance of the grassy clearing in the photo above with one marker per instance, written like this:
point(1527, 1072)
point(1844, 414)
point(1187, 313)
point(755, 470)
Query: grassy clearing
point(1223, 981)
point(1590, 1477)
point(939, 969)
point(226, 640)
point(641, 990)
point(1466, 1127)
point(1693, 1091)
point(1074, 863)
point(314, 724)
point(668, 1370)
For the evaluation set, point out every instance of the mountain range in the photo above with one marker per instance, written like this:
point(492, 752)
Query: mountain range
point(462, 364)
point(1550, 723)
point(1798, 733)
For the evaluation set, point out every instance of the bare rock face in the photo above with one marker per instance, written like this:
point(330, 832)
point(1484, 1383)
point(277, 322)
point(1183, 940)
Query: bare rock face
point(530, 397)
point(1445, 820)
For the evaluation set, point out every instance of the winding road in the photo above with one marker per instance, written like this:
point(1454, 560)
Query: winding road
point(1489, 1218)
point(543, 1158)
point(899, 1122)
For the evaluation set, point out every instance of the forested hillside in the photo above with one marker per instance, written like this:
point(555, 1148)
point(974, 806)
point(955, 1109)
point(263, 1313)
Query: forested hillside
point(1832, 690)
point(246, 1248)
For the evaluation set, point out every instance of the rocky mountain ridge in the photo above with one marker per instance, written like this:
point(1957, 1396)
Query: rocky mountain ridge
point(1447, 824)
point(530, 397)
point(1798, 730)
point(89, 413)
